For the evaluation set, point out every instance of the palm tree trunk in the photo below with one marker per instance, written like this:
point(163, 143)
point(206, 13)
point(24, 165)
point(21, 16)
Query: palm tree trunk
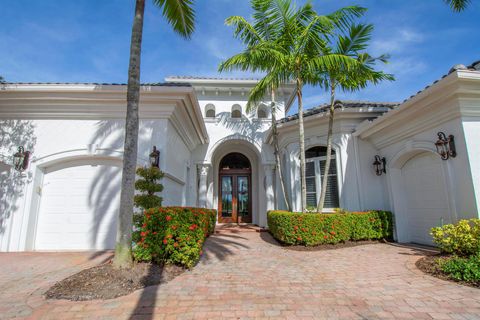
point(303, 181)
point(321, 201)
point(277, 155)
point(123, 248)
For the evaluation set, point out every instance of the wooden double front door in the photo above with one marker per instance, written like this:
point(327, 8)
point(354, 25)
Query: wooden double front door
point(234, 201)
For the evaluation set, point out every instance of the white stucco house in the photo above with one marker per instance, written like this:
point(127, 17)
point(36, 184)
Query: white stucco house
point(216, 155)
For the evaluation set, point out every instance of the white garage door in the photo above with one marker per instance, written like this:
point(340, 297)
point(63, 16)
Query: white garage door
point(78, 208)
point(426, 196)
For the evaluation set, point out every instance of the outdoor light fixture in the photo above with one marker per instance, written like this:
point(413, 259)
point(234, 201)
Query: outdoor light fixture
point(155, 158)
point(20, 159)
point(445, 146)
point(380, 165)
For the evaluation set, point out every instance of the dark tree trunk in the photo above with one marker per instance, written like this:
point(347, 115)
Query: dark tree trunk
point(123, 248)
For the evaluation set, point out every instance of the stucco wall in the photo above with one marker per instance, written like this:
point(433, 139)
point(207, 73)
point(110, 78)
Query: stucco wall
point(54, 142)
point(471, 129)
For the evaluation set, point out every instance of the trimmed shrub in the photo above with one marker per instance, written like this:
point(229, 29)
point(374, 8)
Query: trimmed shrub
point(462, 269)
point(173, 235)
point(311, 229)
point(148, 185)
point(462, 238)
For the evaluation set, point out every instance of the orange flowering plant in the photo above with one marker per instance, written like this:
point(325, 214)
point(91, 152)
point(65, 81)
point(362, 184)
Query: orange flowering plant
point(173, 235)
point(312, 229)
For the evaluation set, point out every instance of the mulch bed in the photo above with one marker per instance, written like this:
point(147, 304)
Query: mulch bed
point(105, 282)
point(429, 265)
point(346, 244)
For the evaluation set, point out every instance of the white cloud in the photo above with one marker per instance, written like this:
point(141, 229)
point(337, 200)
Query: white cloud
point(398, 41)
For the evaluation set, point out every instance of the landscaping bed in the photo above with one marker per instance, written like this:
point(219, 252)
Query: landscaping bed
point(166, 242)
point(313, 229)
point(105, 282)
point(460, 257)
point(431, 265)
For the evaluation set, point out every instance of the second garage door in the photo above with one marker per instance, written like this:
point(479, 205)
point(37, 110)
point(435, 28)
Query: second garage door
point(426, 196)
point(78, 208)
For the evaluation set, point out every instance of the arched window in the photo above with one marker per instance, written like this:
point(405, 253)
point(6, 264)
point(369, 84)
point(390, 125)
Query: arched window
point(314, 171)
point(236, 111)
point(262, 112)
point(210, 111)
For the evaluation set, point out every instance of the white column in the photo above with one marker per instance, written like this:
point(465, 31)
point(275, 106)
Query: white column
point(269, 170)
point(203, 184)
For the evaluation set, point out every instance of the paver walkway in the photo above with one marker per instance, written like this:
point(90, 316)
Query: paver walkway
point(245, 274)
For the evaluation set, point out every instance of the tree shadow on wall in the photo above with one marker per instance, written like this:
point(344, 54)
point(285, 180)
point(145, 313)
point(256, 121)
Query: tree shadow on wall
point(13, 134)
point(105, 188)
point(251, 128)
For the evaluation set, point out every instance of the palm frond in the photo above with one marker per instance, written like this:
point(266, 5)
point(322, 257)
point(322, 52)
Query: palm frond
point(458, 5)
point(343, 17)
point(180, 14)
point(357, 40)
point(243, 30)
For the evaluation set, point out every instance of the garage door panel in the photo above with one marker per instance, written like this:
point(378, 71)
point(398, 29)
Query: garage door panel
point(426, 201)
point(78, 208)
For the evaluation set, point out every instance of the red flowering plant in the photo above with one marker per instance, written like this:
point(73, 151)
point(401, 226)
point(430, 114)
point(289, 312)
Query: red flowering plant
point(174, 235)
point(315, 229)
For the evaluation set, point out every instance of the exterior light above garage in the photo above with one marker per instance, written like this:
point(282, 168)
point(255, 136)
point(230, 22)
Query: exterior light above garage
point(20, 159)
point(380, 165)
point(445, 146)
point(155, 158)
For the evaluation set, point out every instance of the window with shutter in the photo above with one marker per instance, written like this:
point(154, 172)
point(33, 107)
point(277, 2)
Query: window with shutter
point(314, 171)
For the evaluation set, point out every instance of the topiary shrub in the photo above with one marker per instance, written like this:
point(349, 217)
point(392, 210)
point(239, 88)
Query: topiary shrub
point(462, 238)
point(148, 186)
point(312, 229)
point(174, 235)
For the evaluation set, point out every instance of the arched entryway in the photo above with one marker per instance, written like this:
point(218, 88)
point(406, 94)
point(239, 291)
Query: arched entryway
point(234, 189)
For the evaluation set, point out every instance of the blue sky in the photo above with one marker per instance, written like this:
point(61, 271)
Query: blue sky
point(88, 41)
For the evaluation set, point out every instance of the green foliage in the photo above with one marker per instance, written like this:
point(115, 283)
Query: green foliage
point(462, 269)
point(173, 235)
point(458, 5)
point(148, 185)
point(462, 238)
point(179, 14)
point(312, 229)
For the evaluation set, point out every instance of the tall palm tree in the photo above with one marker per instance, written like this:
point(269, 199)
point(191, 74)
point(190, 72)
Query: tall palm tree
point(358, 75)
point(458, 5)
point(180, 15)
point(293, 56)
point(256, 36)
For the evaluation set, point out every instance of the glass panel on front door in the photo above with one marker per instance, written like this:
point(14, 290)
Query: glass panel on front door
point(227, 195)
point(242, 197)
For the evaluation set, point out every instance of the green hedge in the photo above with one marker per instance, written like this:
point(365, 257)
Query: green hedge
point(173, 235)
point(311, 229)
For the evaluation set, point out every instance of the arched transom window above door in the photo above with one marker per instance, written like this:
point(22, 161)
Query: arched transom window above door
point(236, 111)
point(314, 171)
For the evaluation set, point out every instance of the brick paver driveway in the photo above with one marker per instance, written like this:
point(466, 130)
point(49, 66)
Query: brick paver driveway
point(246, 275)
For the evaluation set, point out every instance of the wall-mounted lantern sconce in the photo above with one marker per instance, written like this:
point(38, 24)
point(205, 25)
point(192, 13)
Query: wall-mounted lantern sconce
point(445, 146)
point(20, 159)
point(380, 165)
point(155, 158)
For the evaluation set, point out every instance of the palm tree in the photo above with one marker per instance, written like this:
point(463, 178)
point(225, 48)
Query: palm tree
point(458, 5)
point(256, 36)
point(2, 79)
point(180, 15)
point(293, 54)
point(358, 75)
